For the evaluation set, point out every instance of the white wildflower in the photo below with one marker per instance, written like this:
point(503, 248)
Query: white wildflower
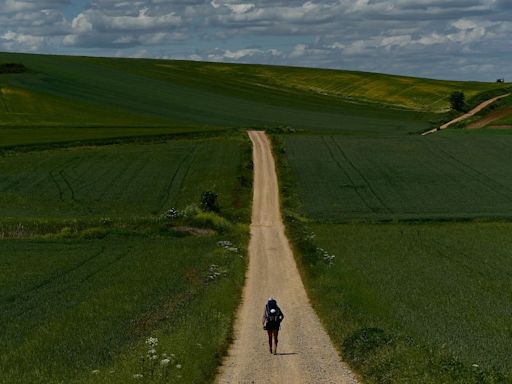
point(178, 366)
point(138, 376)
point(165, 362)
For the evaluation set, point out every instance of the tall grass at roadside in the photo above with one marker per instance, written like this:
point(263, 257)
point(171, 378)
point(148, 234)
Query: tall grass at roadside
point(418, 303)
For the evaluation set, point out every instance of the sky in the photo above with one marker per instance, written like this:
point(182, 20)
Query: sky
point(444, 39)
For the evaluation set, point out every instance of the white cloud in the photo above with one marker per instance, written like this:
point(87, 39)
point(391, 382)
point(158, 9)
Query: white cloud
point(20, 39)
point(240, 8)
point(416, 37)
point(298, 51)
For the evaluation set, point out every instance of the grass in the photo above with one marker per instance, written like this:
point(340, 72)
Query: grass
point(81, 92)
point(29, 138)
point(93, 151)
point(409, 296)
point(437, 177)
point(125, 180)
point(90, 267)
point(91, 304)
point(438, 294)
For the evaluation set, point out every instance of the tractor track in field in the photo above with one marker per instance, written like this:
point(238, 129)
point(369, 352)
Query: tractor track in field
point(305, 352)
point(370, 188)
point(168, 189)
point(481, 177)
point(357, 190)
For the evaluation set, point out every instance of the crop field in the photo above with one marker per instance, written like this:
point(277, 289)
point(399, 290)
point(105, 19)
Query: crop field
point(80, 310)
point(84, 92)
point(90, 268)
point(436, 296)
point(343, 178)
point(404, 245)
point(94, 153)
point(119, 180)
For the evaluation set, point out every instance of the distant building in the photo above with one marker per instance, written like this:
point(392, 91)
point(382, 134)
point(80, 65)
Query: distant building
point(500, 80)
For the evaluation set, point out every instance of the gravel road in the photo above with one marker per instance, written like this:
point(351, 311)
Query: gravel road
point(305, 352)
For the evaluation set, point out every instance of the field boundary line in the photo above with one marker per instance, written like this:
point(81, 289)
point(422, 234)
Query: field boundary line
point(466, 116)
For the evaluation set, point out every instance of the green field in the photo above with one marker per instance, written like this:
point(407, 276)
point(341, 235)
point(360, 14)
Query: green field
point(93, 152)
point(419, 226)
point(125, 180)
point(439, 294)
point(435, 177)
point(90, 268)
point(75, 306)
point(81, 92)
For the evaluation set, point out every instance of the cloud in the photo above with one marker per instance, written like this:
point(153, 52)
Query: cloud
point(420, 37)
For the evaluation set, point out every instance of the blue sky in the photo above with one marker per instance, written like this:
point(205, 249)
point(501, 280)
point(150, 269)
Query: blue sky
point(449, 39)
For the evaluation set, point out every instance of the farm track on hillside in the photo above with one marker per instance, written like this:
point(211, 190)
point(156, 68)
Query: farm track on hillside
point(466, 116)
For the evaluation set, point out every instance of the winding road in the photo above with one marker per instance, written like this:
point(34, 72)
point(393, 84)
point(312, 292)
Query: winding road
point(305, 352)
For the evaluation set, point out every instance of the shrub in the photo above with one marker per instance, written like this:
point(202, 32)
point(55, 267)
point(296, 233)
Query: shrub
point(13, 68)
point(457, 101)
point(209, 202)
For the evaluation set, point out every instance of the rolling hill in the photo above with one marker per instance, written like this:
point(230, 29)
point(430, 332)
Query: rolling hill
point(155, 97)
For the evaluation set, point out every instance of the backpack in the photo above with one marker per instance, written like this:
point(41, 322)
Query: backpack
point(272, 317)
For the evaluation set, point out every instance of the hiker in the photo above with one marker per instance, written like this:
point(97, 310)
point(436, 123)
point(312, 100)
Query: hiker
point(272, 317)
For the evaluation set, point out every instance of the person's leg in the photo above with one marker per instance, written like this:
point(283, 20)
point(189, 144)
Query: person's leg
point(276, 333)
point(270, 339)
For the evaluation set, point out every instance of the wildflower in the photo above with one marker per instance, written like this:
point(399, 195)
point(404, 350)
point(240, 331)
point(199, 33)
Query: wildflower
point(178, 366)
point(95, 372)
point(165, 362)
point(138, 376)
point(172, 214)
point(225, 244)
point(152, 342)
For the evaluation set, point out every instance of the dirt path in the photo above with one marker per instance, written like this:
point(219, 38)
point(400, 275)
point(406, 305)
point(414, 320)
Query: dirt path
point(492, 117)
point(471, 113)
point(305, 352)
